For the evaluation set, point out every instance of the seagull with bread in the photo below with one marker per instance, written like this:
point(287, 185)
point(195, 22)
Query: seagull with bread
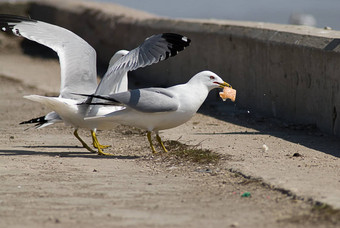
point(156, 109)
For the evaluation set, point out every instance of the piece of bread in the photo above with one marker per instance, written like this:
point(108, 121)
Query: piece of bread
point(228, 93)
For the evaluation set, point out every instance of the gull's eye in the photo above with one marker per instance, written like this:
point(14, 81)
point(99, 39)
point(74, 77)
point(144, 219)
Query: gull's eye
point(212, 77)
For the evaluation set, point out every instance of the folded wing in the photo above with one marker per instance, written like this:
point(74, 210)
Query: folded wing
point(148, 100)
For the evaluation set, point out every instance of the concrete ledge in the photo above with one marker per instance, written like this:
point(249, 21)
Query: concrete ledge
point(284, 71)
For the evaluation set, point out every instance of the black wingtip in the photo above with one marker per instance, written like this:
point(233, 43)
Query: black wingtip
point(37, 121)
point(177, 43)
point(7, 21)
point(88, 101)
point(177, 38)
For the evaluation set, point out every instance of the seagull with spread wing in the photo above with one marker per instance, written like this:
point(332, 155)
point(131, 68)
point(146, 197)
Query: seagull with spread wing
point(78, 71)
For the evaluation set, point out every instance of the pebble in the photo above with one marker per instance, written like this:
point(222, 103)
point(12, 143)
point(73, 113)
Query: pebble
point(234, 224)
point(265, 148)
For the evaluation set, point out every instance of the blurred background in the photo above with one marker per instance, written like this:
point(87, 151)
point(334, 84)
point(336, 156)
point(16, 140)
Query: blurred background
point(318, 13)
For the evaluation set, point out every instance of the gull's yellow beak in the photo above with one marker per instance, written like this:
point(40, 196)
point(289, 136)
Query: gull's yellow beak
point(224, 84)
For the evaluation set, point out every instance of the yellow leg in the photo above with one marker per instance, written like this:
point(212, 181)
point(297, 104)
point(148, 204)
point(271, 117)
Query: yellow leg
point(161, 143)
point(100, 145)
point(96, 144)
point(75, 133)
point(151, 145)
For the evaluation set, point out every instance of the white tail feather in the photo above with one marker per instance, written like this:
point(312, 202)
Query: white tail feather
point(64, 107)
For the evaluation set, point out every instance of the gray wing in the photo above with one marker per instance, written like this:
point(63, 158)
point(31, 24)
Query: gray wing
point(154, 49)
point(146, 100)
point(77, 58)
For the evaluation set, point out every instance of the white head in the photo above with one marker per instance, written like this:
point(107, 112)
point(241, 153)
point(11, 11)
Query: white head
point(209, 79)
point(117, 56)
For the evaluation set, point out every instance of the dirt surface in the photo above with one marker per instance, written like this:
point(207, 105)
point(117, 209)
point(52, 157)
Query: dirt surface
point(48, 180)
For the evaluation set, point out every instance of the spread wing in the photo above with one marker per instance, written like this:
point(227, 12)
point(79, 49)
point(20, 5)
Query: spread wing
point(77, 58)
point(154, 49)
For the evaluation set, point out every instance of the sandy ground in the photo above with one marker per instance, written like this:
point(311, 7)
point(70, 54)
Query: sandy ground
point(48, 180)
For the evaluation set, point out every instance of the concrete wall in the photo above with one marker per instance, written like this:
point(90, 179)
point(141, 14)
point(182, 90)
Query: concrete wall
point(288, 72)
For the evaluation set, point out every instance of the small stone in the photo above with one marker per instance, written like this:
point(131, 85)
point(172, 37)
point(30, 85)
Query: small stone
point(234, 224)
point(297, 154)
point(265, 148)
